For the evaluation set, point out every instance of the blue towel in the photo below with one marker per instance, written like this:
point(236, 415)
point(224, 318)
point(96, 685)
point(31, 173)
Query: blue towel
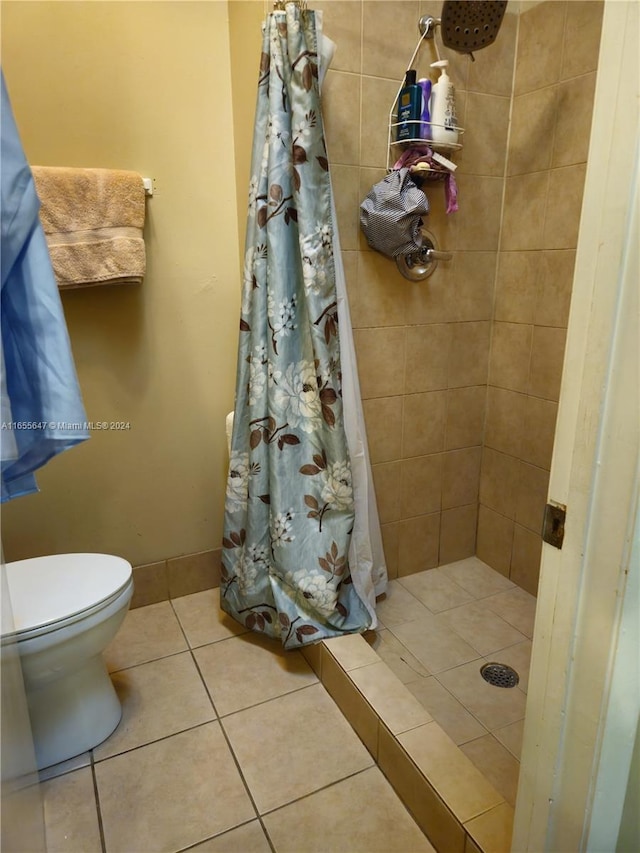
point(42, 410)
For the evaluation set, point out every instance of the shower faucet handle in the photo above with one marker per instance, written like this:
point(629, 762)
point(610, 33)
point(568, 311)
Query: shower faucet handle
point(436, 255)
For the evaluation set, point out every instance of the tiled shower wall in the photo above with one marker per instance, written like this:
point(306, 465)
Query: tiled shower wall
point(554, 84)
point(476, 349)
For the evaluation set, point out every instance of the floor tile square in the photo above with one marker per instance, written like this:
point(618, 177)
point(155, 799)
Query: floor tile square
point(397, 606)
point(445, 709)
point(159, 698)
point(496, 764)
point(172, 793)
point(249, 838)
point(511, 737)
point(494, 707)
point(245, 670)
point(481, 628)
point(476, 577)
point(435, 590)
point(396, 656)
point(309, 745)
point(361, 814)
point(147, 633)
point(202, 619)
point(436, 646)
point(70, 813)
point(517, 607)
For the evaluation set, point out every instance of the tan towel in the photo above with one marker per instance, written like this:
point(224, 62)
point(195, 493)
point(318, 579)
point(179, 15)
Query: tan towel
point(93, 221)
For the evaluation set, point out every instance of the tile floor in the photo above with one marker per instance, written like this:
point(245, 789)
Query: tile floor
point(226, 744)
point(229, 744)
point(437, 629)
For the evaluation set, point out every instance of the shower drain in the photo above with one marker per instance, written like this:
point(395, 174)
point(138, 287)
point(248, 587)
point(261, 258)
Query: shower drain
point(499, 674)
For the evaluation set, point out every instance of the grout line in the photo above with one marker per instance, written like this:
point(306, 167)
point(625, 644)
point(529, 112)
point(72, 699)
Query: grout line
point(98, 809)
point(220, 835)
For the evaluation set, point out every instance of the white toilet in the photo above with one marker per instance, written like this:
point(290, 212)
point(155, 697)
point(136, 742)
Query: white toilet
point(66, 609)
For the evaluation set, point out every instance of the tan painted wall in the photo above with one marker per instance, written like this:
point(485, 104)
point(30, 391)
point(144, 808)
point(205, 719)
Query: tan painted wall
point(141, 86)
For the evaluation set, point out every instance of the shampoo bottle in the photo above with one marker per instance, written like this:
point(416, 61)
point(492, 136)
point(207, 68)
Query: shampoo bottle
point(443, 107)
point(409, 108)
point(425, 115)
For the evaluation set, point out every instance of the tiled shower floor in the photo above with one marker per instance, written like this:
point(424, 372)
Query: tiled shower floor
point(437, 629)
point(229, 744)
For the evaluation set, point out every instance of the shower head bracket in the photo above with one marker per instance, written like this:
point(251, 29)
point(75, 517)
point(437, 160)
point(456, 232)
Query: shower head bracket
point(427, 26)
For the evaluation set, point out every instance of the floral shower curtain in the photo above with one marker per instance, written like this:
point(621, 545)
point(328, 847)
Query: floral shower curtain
point(289, 509)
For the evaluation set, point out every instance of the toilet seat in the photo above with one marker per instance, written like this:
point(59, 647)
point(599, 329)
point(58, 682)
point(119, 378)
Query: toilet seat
point(42, 602)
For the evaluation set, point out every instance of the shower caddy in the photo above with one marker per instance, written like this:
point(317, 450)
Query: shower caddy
point(416, 266)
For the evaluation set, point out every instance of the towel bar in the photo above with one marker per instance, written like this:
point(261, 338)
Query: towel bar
point(148, 186)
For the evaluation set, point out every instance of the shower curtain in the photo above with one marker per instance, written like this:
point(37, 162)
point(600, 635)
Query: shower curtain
point(300, 561)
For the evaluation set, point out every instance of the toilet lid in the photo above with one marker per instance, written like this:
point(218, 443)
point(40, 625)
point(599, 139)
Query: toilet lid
point(53, 588)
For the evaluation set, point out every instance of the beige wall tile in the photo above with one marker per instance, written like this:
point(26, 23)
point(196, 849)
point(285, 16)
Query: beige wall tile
point(525, 560)
point(562, 218)
point(428, 810)
point(499, 481)
point(492, 830)
point(380, 355)
point(473, 284)
point(379, 19)
point(458, 533)
point(582, 37)
point(492, 72)
point(469, 354)
point(342, 22)
point(341, 111)
point(539, 431)
point(465, 416)
point(516, 286)
point(386, 477)
point(391, 544)
point(532, 125)
point(540, 40)
point(485, 146)
point(461, 477)
point(547, 357)
point(478, 232)
point(194, 572)
point(531, 496)
point(573, 122)
point(378, 301)
point(421, 485)
point(524, 193)
point(495, 537)
point(377, 97)
point(453, 776)
point(427, 359)
point(510, 356)
point(444, 226)
point(150, 584)
point(351, 702)
point(506, 412)
point(345, 182)
point(418, 543)
point(554, 288)
point(383, 417)
point(423, 423)
point(433, 300)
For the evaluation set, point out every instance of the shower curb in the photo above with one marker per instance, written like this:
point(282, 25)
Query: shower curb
point(451, 801)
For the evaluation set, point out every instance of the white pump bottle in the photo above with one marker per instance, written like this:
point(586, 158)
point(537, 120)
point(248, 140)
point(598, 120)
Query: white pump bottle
point(443, 107)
